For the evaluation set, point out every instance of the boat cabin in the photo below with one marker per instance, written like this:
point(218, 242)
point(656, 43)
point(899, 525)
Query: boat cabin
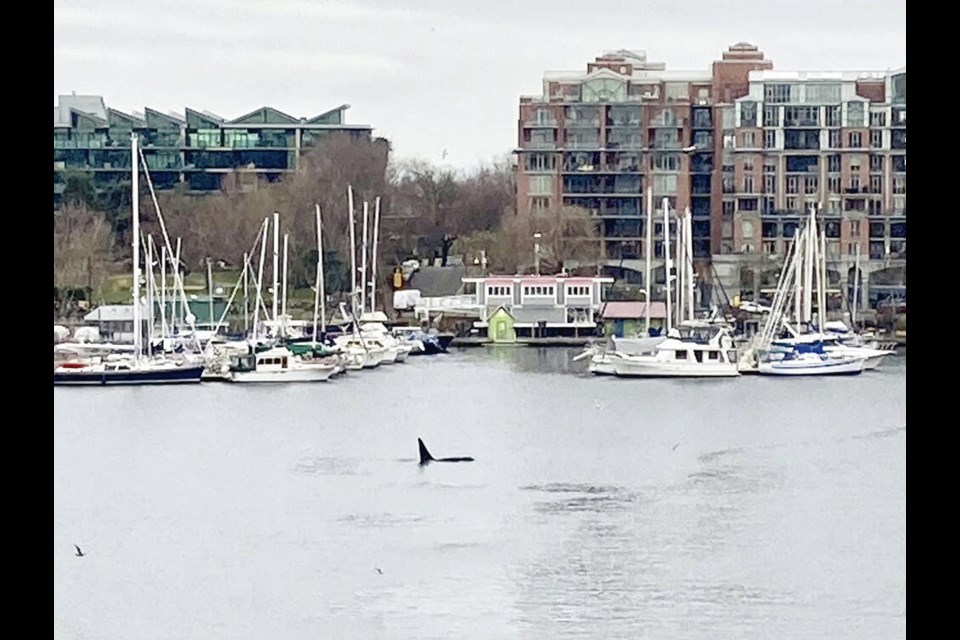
point(259, 362)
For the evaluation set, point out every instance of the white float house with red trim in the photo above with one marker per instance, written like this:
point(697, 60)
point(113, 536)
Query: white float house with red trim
point(540, 306)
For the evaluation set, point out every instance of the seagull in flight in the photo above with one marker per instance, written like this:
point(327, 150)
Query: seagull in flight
point(379, 570)
point(80, 553)
point(675, 446)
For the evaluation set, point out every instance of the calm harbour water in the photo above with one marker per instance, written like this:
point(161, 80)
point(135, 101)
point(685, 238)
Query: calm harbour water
point(596, 507)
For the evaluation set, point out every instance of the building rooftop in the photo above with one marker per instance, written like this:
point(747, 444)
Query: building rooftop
point(95, 106)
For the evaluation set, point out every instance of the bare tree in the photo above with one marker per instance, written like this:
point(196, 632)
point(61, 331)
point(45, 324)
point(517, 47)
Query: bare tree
point(82, 253)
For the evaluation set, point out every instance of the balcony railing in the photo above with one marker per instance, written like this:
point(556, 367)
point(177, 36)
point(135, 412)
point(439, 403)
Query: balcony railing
point(539, 144)
point(583, 144)
point(546, 123)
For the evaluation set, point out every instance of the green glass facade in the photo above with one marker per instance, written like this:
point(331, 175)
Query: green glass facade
point(195, 150)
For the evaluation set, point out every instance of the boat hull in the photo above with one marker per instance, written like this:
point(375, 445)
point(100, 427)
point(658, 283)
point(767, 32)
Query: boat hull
point(307, 374)
point(659, 369)
point(173, 375)
point(802, 368)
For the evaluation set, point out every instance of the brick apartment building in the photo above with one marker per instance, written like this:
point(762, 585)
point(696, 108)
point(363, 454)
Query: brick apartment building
point(747, 148)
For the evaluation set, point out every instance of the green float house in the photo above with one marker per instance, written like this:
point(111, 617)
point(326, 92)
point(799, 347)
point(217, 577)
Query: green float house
point(623, 319)
point(500, 327)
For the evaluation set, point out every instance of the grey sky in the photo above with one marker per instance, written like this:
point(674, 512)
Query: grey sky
point(431, 75)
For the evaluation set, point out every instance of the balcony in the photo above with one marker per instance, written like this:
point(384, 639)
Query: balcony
point(666, 144)
point(633, 145)
point(540, 123)
point(801, 122)
point(586, 123)
point(539, 144)
point(593, 143)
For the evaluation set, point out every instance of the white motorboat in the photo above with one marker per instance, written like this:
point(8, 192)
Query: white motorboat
point(279, 364)
point(680, 357)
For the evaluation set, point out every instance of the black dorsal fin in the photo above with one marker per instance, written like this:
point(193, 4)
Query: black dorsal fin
point(425, 456)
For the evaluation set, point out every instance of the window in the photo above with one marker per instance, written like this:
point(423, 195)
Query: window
point(899, 184)
point(833, 184)
point(770, 247)
point(854, 114)
point(713, 355)
point(749, 140)
point(681, 354)
point(541, 185)
point(833, 164)
point(771, 116)
point(778, 93)
point(539, 204)
point(876, 163)
point(811, 185)
point(876, 139)
point(578, 290)
point(664, 184)
point(769, 184)
point(499, 291)
point(855, 140)
point(676, 90)
point(854, 183)
point(834, 116)
point(666, 162)
point(540, 162)
point(793, 183)
point(728, 206)
point(792, 204)
point(770, 139)
point(876, 184)
point(748, 184)
point(769, 205)
point(795, 116)
point(823, 92)
point(748, 114)
point(878, 118)
point(834, 139)
point(539, 291)
point(747, 204)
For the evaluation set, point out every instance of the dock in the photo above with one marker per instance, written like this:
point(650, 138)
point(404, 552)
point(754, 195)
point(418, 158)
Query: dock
point(561, 341)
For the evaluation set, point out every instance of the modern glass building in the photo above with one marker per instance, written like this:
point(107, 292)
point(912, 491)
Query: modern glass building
point(195, 149)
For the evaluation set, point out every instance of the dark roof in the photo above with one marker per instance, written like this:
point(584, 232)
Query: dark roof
point(433, 282)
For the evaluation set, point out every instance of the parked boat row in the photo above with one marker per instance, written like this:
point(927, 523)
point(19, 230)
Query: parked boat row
point(707, 348)
point(278, 349)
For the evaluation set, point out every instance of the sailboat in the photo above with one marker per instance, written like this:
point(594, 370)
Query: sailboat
point(130, 369)
point(803, 354)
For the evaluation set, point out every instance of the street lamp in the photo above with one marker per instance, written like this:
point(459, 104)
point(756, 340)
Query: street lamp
point(536, 251)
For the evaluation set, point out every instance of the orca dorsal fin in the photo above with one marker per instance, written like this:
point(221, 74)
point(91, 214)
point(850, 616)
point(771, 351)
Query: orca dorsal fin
point(425, 456)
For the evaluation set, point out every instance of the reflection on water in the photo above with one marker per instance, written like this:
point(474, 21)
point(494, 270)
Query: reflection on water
point(657, 508)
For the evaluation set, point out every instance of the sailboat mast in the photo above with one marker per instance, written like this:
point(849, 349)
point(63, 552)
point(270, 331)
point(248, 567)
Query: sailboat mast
point(283, 316)
point(681, 270)
point(135, 216)
point(276, 265)
point(353, 246)
point(815, 241)
point(263, 255)
point(363, 261)
point(210, 290)
point(809, 266)
point(149, 295)
point(246, 301)
point(318, 289)
point(666, 256)
point(176, 280)
point(163, 290)
point(648, 254)
point(688, 260)
point(373, 259)
point(822, 300)
point(856, 285)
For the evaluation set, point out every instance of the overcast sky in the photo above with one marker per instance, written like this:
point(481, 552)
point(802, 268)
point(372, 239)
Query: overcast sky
point(433, 76)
